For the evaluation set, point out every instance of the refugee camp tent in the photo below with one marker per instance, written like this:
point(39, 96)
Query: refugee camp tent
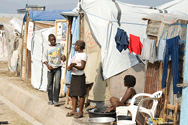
point(43, 25)
point(103, 18)
point(10, 43)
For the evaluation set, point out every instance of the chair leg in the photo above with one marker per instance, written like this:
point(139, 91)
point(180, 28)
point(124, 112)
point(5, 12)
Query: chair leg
point(175, 114)
point(145, 121)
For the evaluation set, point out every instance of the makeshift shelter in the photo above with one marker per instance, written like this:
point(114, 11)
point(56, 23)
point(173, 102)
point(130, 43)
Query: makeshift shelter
point(37, 25)
point(99, 21)
point(10, 45)
point(162, 27)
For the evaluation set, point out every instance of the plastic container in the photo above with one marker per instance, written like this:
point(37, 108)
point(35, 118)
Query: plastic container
point(95, 112)
point(126, 122)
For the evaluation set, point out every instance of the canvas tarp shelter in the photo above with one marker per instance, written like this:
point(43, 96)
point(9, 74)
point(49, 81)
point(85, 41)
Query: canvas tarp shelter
point(104, 17)
point(12, 30)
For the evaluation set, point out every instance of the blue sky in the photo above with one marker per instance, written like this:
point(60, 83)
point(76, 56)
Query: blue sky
point(11, 6)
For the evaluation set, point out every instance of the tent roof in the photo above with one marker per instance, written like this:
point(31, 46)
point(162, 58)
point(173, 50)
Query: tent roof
point(104, 17)
point(175, 5)
point(45, 15)
point(165, 18)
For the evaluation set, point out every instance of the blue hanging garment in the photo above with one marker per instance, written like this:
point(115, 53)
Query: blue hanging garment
point(121, 39)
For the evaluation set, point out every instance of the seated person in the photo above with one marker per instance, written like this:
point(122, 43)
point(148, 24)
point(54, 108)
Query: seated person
point(129, 82)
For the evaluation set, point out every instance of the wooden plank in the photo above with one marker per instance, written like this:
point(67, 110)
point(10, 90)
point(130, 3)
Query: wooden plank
point(44, 25)
point(170, 117)
point(24, 66)
point(171, 107)
point(65, 49)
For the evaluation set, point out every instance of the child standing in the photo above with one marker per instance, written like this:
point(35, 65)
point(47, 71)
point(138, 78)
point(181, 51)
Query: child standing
point(52, 57)
point(78, 85)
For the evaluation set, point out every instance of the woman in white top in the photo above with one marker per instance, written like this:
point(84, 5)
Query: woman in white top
point(78, 84)
point(129, 82)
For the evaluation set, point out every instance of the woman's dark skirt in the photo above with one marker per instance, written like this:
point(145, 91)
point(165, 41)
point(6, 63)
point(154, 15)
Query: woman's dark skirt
point(78, 85)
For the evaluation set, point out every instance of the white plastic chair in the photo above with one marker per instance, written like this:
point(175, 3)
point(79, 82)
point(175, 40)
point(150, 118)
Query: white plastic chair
point(123, 110)
point(151, 112)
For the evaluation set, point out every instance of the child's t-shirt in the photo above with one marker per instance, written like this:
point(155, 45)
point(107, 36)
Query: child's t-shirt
point(53, 54)
point(77, 59)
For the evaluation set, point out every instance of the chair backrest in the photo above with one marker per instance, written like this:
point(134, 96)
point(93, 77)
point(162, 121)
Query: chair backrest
point(157, 94)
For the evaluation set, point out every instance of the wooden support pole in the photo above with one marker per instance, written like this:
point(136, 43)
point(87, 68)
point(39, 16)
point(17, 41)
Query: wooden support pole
point(24, 63)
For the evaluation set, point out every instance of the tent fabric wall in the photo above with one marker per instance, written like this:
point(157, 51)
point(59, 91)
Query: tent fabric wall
point(104, 17)
point(16, 23)
point(93, 67)
point(38, 69)
point(10, 37)
point(3, 48)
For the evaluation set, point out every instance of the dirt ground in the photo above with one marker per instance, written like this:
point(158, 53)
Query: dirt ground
point(26, 85)
point(6, 114)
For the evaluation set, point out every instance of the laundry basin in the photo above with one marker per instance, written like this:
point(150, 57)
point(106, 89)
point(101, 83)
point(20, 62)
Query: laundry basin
point(99, 112)
point(101, 121)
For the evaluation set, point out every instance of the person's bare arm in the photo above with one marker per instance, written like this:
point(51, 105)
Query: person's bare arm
point(70, 67)
point(83, 63)
point(49, 67)
point(63, 58)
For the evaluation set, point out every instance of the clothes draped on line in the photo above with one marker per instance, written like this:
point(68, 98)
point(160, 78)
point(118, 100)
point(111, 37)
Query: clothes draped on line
point(172, 48)
point(121, 39)
point(161, 50)
point(149, 50)
point(135, 44)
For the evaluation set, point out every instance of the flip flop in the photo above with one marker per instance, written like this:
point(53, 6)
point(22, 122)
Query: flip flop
point(78, 116)
point(69, 114)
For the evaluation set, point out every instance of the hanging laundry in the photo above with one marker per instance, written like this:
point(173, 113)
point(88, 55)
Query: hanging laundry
point(121, 39)
point(149, 50)
point(135, 44)
point(161, 50)
point(172, 48)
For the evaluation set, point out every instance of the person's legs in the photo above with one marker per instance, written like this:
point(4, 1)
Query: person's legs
point(112, 99)
point(50, 85)
point(81, 105)
point(57, 84)
point(74, 104)
point(88, 88)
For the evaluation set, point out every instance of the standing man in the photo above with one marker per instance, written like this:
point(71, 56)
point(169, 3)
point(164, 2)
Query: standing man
point(52, 57)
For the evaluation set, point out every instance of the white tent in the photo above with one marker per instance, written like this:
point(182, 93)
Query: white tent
point(104, 17)
point(16, 23)
point(38, 69)
point(176, 7)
